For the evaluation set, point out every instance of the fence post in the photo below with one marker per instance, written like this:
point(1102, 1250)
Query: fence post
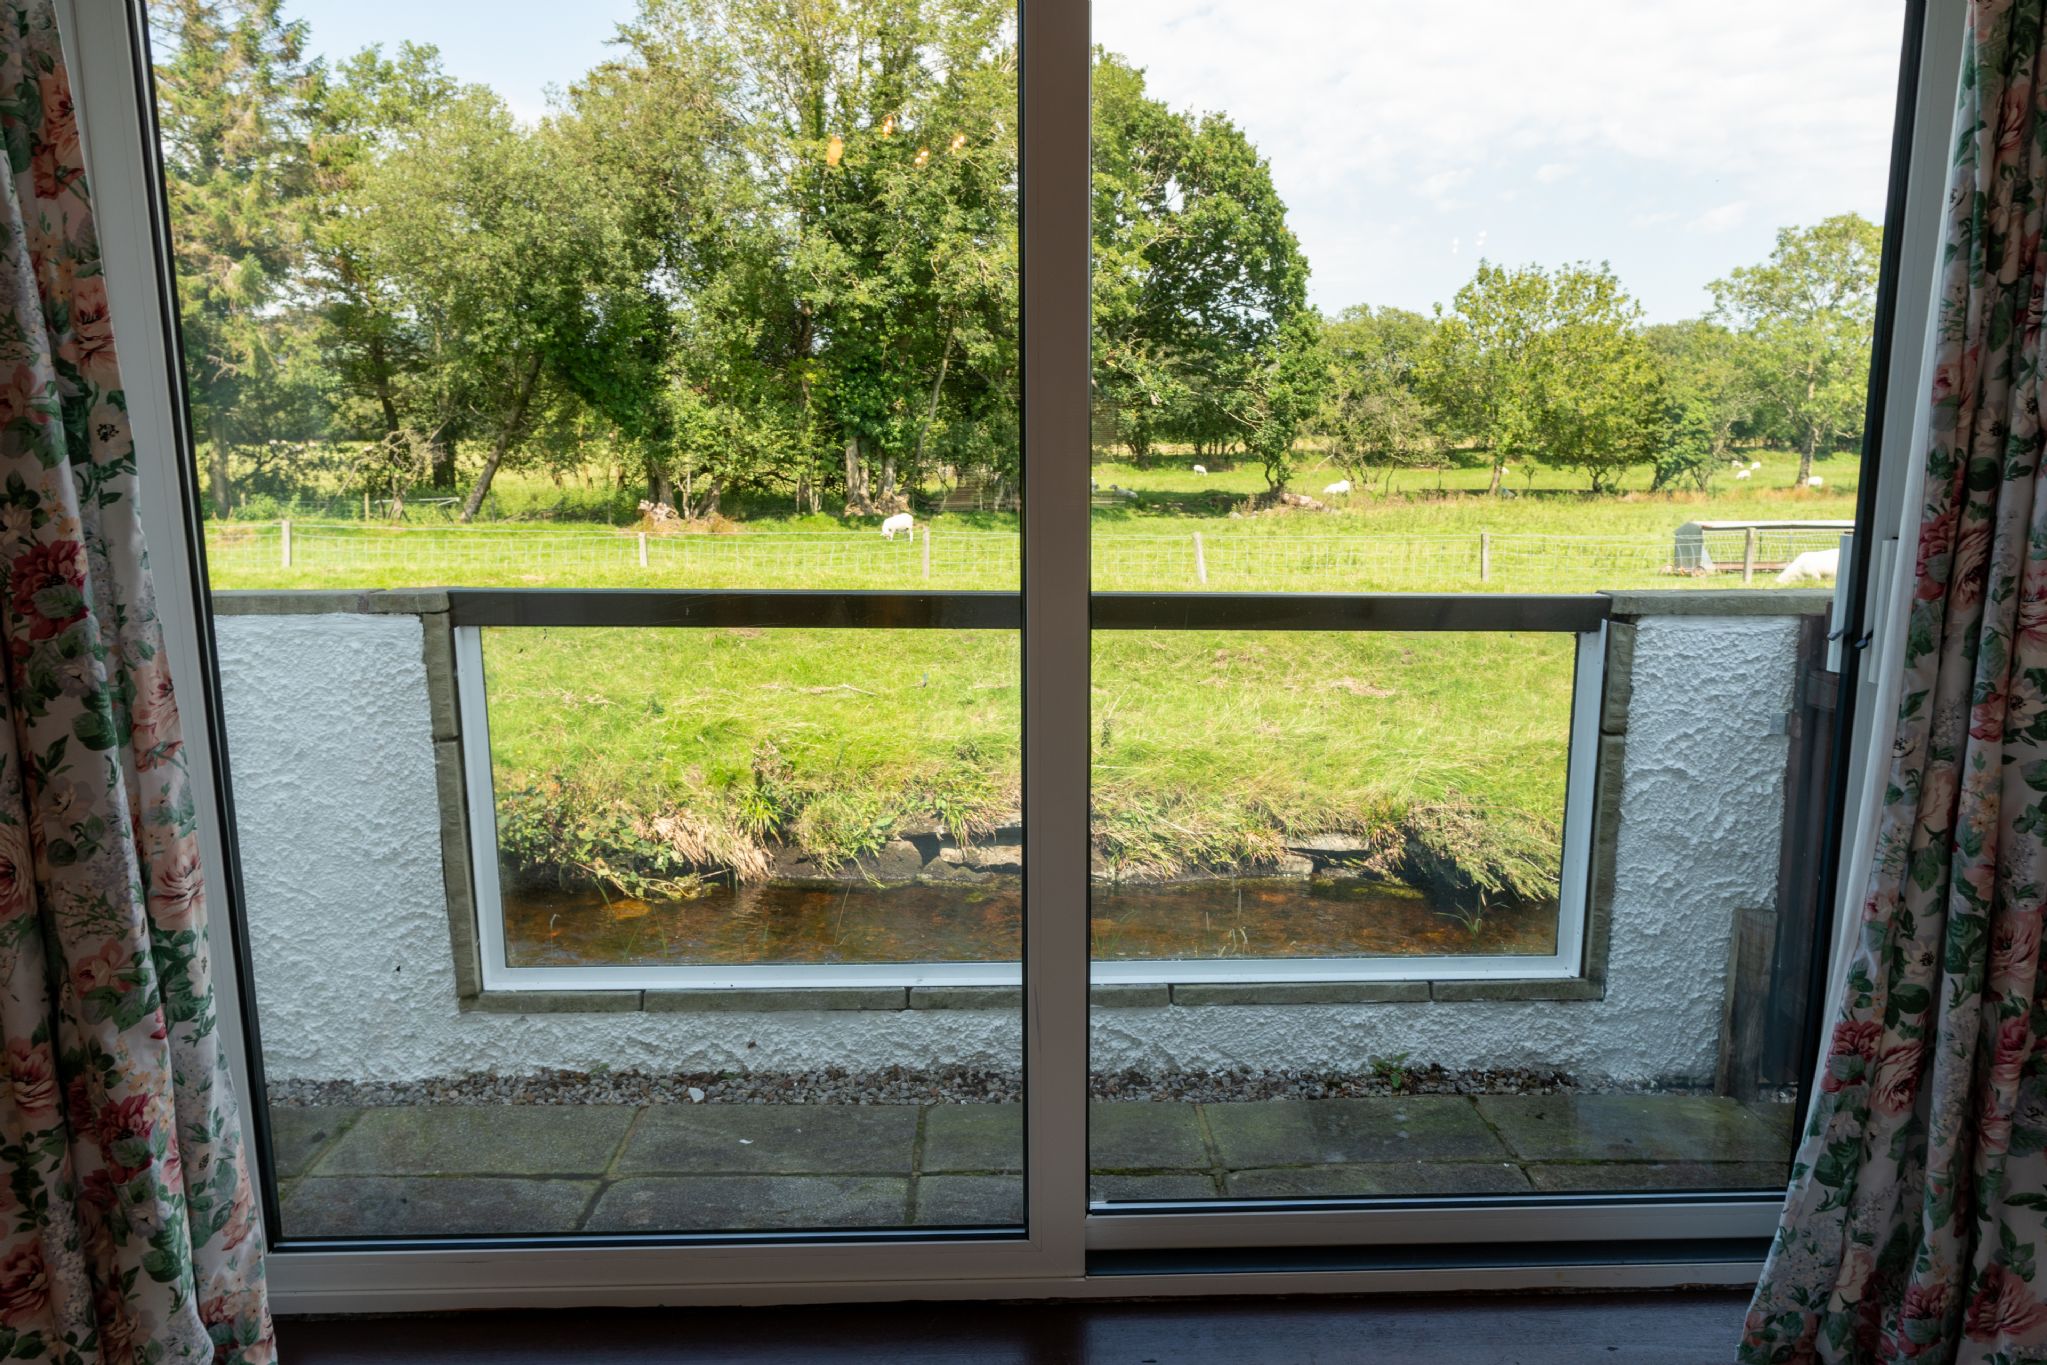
point(643, 549)
point(927, 552)
point(1200, 561)
point(1748, 556)
point(284, 540)
point(1485, 556)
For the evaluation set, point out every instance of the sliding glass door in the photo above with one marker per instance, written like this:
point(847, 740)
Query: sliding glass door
point(828, 664)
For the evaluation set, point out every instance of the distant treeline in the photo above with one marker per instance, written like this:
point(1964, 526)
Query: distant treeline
point(774, 248)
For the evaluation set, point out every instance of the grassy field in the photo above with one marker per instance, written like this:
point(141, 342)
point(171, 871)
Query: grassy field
point(626, 757)
point(654, 749)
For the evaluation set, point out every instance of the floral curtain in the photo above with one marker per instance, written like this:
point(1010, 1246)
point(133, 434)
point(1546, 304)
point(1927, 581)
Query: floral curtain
point(1916, 1226)
point(128, 1225)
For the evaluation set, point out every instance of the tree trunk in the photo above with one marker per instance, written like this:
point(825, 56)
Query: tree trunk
point(508, 433)
point(709, 506)
point(1494, 487)
point(660, 488)
point(888, 481)
point(219, 489)
point(856, 479)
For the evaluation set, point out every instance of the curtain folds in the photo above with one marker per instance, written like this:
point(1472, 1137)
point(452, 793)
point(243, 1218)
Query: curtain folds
point(1916, 1225)
point(129, 1229)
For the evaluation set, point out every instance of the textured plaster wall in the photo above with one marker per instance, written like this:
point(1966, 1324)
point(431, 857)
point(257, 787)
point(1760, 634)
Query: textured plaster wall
point(329, 734)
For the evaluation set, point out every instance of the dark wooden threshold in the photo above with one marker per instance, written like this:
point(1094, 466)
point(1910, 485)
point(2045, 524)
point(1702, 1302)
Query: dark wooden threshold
point(1663, 1328)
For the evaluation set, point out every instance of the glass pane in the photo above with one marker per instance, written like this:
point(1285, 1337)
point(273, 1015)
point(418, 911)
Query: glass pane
point(1242, 783)
point(720, 804)
point(1525, 299)
point(612, 929)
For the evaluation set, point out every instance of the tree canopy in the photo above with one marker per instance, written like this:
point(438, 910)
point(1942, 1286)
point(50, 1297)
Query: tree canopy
point(773, 247)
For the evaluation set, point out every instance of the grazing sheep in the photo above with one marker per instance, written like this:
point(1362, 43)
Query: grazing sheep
point(1755, 464)
point(1812, 567)
point(901, 521)
point(1340, 487)
point(1814, 482)
point(1201, 469)
point(1741, 473)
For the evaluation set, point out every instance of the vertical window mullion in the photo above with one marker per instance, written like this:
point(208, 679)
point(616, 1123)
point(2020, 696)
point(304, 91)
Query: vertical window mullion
point(1054, 217)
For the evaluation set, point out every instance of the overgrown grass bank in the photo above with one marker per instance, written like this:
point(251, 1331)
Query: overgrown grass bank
point(628, 757)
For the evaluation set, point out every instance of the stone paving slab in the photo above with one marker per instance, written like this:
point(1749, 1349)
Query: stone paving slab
point(299, 1135)
point(748, 1203)
point(394, 1206)
point(782, 1139)
point(512, 1139)
point(970, 1200)
point(1322, 1132)
point(1379, 1178)
point(1618, 1176)
point(973, 1137)
point(1140, 1136)
point(1630, 1128)
point(1124, 1188)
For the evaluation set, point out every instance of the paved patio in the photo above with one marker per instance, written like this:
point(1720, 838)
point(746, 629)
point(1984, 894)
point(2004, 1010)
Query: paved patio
point(718, 1167)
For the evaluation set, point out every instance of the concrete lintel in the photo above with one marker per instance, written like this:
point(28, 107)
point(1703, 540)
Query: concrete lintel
point(1300, 993)
point(745, 1000)
point(438, 646)
point(456, 876)
point(1130, 997)
point(327, 602)
point(966, 997)
point(1720, 602)
point(1619, 690)
point(554, 1002)
point(1471, 992)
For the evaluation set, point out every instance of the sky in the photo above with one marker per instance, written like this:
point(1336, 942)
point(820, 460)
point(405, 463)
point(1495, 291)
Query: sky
point(1669, 138)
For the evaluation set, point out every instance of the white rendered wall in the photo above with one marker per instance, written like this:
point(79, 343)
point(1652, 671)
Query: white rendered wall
point(333, 766)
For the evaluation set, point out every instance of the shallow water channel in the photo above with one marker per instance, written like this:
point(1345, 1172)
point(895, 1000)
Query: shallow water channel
point(927, 922)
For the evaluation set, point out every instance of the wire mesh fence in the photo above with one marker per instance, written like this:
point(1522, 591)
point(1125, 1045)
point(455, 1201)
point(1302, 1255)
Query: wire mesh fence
point(284, 554)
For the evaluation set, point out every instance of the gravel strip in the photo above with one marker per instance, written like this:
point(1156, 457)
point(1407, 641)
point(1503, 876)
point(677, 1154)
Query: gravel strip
point(949, 1085)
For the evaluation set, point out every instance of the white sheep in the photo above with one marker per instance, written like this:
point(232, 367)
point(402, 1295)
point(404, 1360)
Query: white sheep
point(1814, 482)
point(1755, 464)
point(901, 521)
point(1742, 473)
point(1812, 567)
point(1340, 487)
point(1201, 469)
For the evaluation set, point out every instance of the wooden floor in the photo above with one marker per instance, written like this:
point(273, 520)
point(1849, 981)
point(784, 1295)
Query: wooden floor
point(1693, 1328)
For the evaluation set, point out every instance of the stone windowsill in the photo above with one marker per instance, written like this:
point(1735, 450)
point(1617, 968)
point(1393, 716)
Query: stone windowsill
point(742, 1000)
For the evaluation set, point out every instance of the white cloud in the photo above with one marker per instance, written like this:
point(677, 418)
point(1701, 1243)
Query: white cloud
point(1437, 187)
point(1721, 217)
point(1653, 111)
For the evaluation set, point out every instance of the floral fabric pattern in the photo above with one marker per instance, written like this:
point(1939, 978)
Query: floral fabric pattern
point(129, 1229)
point(1916, 1225)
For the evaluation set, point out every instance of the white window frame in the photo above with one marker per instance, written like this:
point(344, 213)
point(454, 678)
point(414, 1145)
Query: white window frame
point(1393, 1242)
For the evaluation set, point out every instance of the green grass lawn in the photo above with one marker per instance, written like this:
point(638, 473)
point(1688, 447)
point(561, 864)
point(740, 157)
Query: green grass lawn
point(627, 756)
point(1210, 748)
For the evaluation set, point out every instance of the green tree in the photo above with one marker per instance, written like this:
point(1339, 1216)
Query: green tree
point(486, 242)
point(231, 84)
point(1810, 310)
point(1709, 395)
point(375, 350)
point(1480, 370)
point(1375, 421)
point(1201, 325)
point(1599, 396)
point(1530, 365)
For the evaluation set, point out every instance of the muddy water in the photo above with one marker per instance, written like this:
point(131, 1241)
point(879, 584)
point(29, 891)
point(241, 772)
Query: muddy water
point(858, 922)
